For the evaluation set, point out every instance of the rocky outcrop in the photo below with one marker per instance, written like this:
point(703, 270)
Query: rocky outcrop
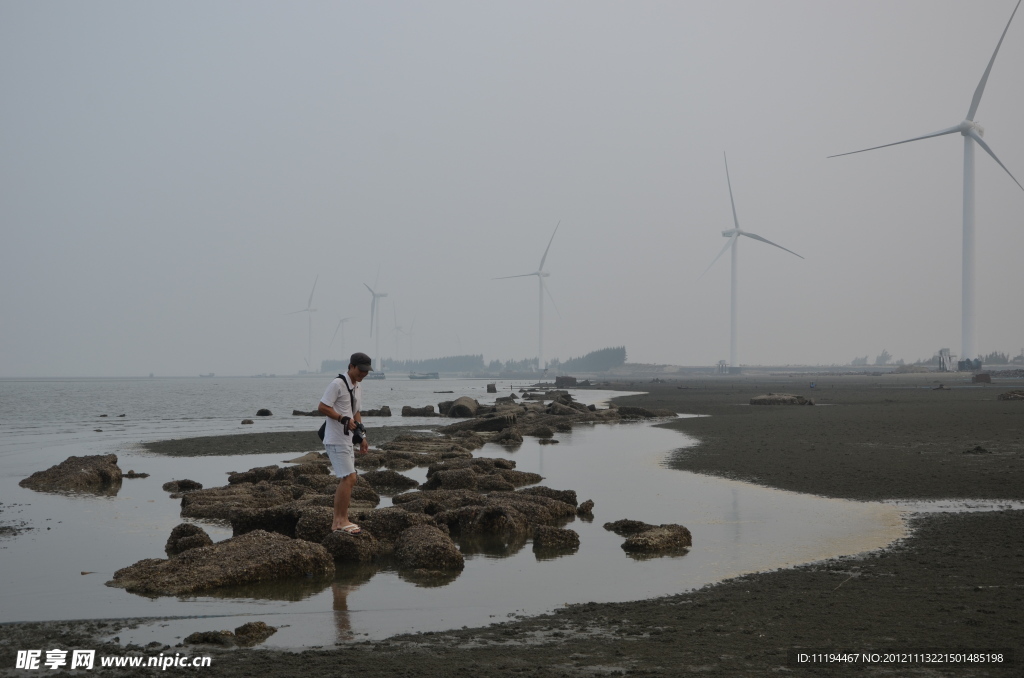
point(248, 421)
point(98, 474)
point(586, 509)
point(254, 557)
point(780, 399)
point(425, 411)
point(642, 538)
point(547, 538)
point(264, 412)
point(463, 407)
point(384, 411)
point(311, 413)
point(183, 485)
point(352, 548)
point(425, 547)
point(389, 482)
point(253, 633)
point(1012, 395)
point(184, 537)
point(492, 388)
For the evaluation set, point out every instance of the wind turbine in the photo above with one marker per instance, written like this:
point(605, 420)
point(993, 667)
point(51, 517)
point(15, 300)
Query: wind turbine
point(341, 323)
point(309, 310)
point(733, 234)
point(972, 133)
point(375, 316)
point(542, 288)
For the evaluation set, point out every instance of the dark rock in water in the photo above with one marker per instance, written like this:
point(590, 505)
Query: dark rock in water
point(1012, 395)
point(264, 412)
point(387, 523)
point(389, 480)
point(978, 449)
point(660, 539)
point(463, 407)
point(311, 413)
point(586, 509)
point(184, 537)
point(454, 479)
point(384, 411)
point(220, 638)
point(184, 485)
point(509, 436)
point(777, 399)
point(567, 496)
point(627, 412)
point(428, 548)
point(314, 523)
point(133, 474)
point(253, 633)
point(352, 548)
point(542, 432)
point(546, 538)
point(493, 482)
point(548, 441)
point(253, 557)
point(425, 411)
point(565, 382)
point(248, 421)
point(219, 502)
point(520, 478)
point(644, 538)
point(627, 527)
point(492, 388)
point(96, 474)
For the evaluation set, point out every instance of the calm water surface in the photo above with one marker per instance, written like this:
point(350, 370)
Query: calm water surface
point(737, 527)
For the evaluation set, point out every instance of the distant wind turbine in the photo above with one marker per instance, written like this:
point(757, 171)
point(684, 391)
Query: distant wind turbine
point(542, 288)
point(341, 324)
point(375, 316)
point(309, 310)
point(972, 133)
point(733, 235)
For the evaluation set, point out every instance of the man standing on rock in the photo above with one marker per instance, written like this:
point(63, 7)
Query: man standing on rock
point(340, 405)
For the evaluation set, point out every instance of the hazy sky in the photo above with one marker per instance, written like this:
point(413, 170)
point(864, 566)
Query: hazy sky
point(176, 175)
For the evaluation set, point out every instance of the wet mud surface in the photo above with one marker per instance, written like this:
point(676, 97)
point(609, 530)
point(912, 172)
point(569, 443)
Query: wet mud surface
point(956, 583)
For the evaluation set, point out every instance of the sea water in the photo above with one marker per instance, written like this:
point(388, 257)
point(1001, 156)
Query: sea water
point(57, 569)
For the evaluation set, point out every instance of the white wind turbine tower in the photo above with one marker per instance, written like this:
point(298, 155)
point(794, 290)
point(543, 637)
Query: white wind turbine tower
point(542, 288)
point(341, 324)
point(733, 234)
point(374, 315)
point(309, 310)
point(972, 133)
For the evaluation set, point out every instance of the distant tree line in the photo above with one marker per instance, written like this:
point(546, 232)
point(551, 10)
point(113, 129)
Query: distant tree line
point(596, 361)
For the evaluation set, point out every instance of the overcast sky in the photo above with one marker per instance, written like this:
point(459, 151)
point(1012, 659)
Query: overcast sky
point(176, 175)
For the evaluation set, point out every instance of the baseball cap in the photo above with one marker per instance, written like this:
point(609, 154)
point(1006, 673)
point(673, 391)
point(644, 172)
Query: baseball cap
point(362, 361)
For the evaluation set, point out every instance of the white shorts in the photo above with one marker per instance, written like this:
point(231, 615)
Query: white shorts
point(343, 459)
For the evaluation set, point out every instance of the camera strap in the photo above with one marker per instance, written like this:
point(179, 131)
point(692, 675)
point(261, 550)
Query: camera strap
point(351, 399)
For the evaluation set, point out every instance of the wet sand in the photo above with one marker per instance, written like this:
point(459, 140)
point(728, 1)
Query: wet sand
point(955, 584)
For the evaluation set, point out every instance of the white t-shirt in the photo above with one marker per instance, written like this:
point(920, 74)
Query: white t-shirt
point(337, 396)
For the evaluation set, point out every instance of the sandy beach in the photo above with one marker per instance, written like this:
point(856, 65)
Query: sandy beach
point(954, 585)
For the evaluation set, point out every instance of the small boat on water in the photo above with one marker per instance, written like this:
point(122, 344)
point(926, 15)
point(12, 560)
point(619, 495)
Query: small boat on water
point(424, 375)
point(375, 375)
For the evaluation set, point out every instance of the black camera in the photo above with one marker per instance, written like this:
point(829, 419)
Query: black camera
point(358, 434)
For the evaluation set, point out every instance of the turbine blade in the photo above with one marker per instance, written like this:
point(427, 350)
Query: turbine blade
point(729, 244)
point(310, 302)
point(984, 78)
point(335, 333)
point(757, 237)
point(506, 277)
point(371, 289)
point(735, 219)
point(977, 137)
point(949, 130)
point(542, 284)
point(303, 310)
point(542, 259)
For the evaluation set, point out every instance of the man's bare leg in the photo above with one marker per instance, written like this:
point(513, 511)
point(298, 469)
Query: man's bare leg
point(342, 499)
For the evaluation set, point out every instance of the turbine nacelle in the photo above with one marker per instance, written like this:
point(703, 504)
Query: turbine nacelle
point(731, 232)
point(967, 126)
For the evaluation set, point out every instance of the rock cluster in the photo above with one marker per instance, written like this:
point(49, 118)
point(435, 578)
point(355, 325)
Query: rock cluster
point(246, 635)
point(253, 557)
point(384, 411)
point(97, 474)
point(1012, 395)
point(184, 537)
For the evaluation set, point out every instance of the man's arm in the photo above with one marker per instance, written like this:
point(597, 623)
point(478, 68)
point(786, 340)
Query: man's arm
point(328, 411)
